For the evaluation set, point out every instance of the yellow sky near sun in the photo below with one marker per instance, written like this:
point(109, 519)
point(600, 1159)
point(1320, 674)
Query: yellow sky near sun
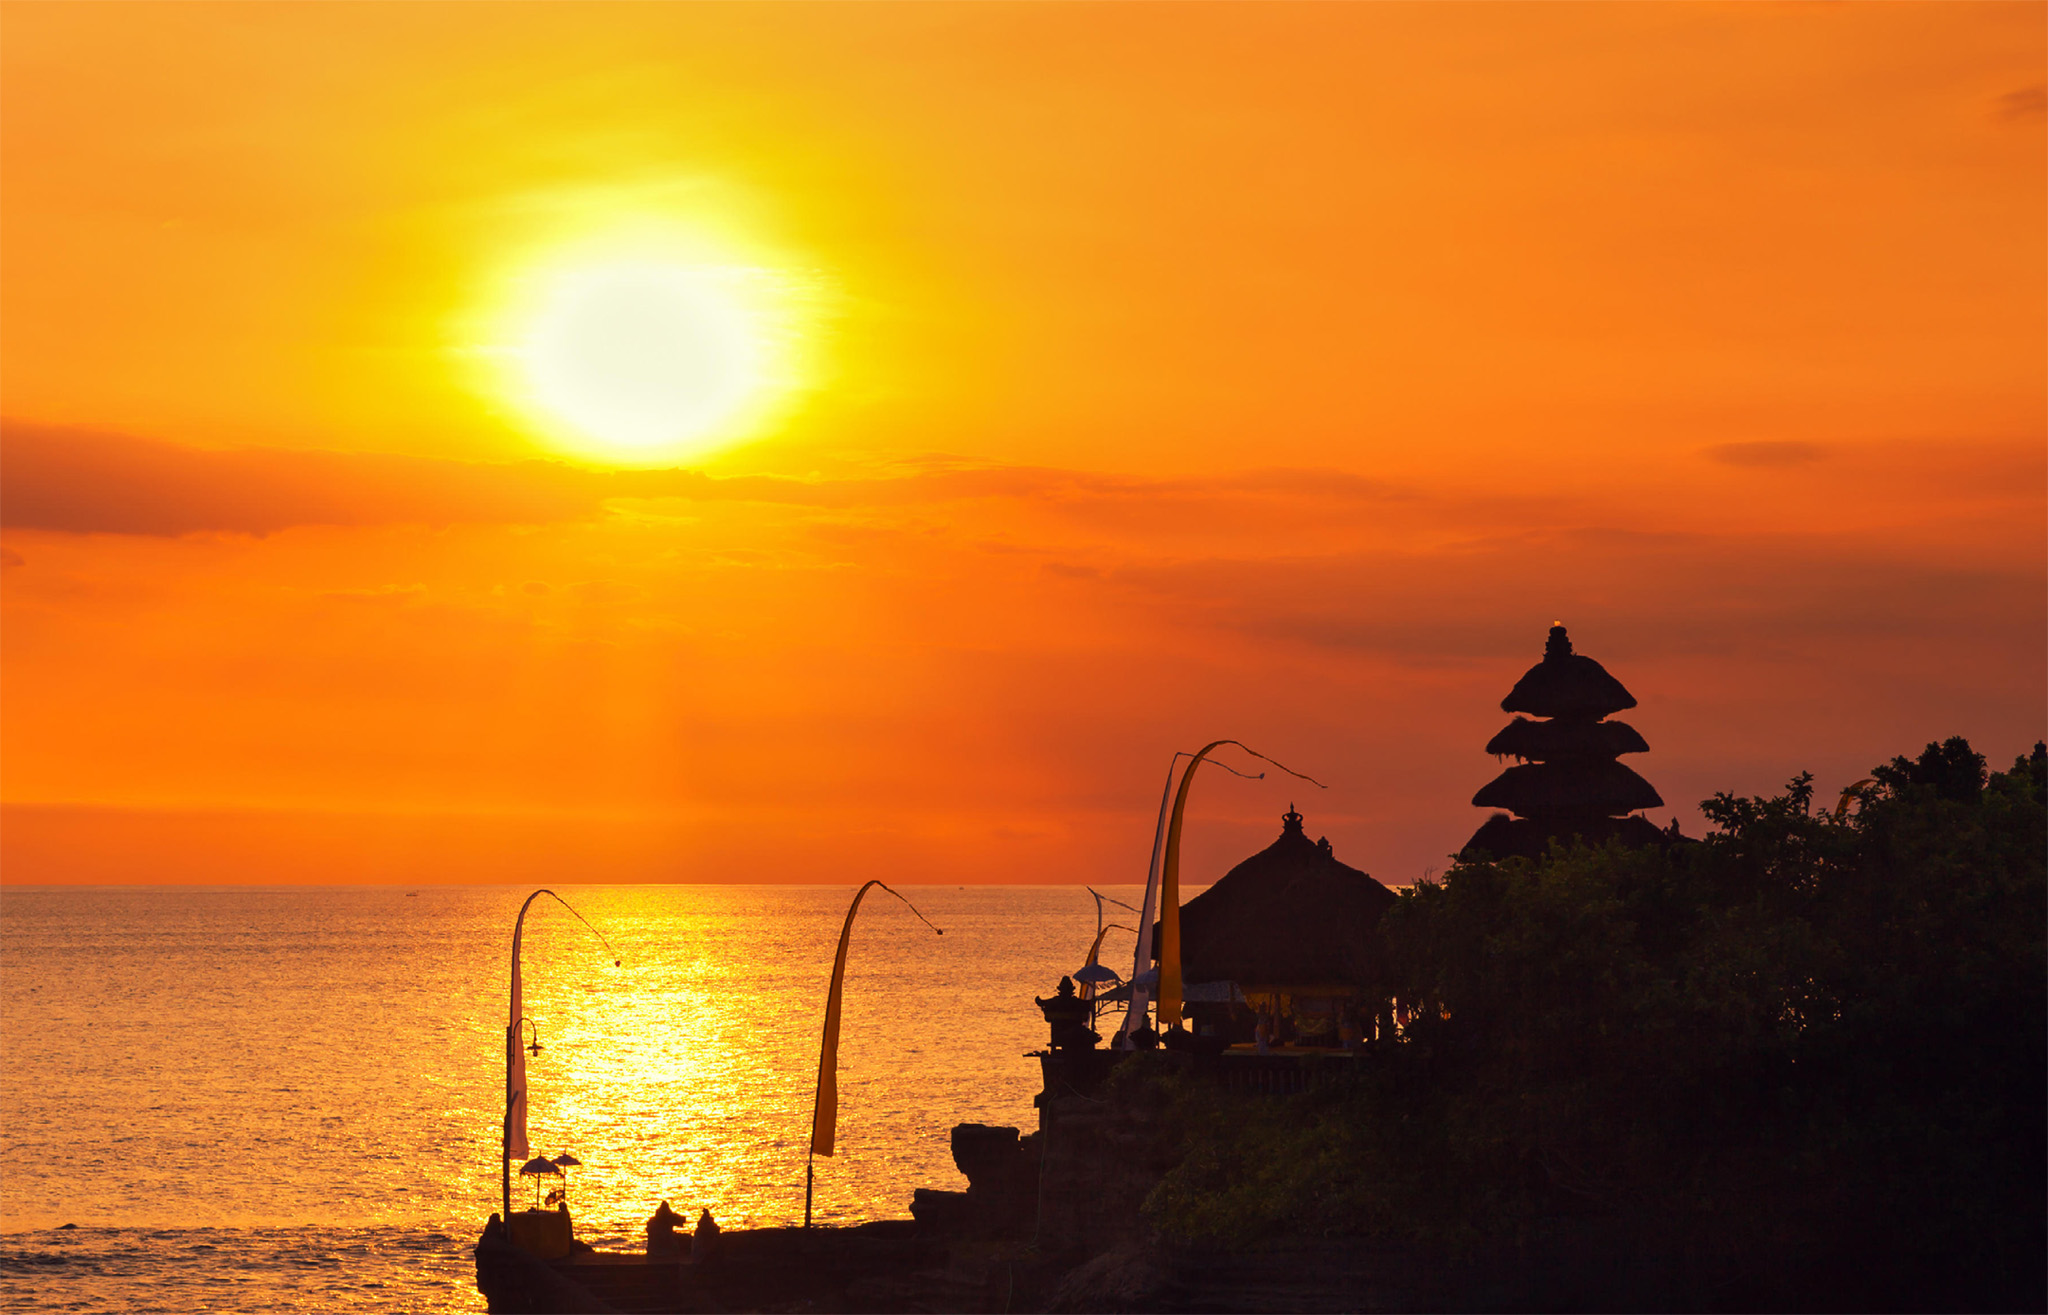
point(1351, 231)
point(1152, 373)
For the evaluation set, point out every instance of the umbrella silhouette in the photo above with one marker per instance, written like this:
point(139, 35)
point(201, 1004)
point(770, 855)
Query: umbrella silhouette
point(1097, 973)
point(538, 1167)
point(565, 1162)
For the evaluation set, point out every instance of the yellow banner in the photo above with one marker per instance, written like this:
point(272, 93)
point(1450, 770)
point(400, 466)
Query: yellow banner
point(825, 1114)
point(1168, 1007)
point(1167, 1010)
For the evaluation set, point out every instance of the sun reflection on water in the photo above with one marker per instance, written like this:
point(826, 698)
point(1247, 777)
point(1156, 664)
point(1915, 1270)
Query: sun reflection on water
point(690, 1070)
point(334, 1056)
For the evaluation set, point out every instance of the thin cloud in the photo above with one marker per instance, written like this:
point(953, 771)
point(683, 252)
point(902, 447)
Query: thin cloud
point(1671, 594)
point(92, 482)
point(2025, 105)
point(1766, 455)
point(87, 482)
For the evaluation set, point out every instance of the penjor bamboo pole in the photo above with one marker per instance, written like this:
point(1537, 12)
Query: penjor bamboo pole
point(825, 1108)
point(515, 1065)
point(1167, 1009)
point(1134, 1015)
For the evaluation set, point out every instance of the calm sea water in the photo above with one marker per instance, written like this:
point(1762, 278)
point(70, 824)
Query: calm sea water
point(289, 1098)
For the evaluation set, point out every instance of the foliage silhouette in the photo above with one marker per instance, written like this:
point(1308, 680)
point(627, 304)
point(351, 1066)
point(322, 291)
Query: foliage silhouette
point(1803, 1064)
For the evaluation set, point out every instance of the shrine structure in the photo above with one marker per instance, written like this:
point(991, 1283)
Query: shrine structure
point(1567, 783)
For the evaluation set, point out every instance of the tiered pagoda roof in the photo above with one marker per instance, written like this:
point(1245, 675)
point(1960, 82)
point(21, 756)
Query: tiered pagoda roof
point(1567, 684)
point(1568, 783)
point(1545, 741)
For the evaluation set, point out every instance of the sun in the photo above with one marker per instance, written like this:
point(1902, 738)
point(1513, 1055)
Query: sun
point(646, 358)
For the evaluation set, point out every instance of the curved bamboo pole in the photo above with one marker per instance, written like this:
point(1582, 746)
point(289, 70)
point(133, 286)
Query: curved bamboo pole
point(515, 1054)
point(1096, 948)
point(825, 1109)
point(1134, 1016)
point(1168, 1009)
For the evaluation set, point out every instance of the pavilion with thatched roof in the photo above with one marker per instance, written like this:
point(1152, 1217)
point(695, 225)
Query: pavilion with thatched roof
point(1291, 929)
point(1568, 783)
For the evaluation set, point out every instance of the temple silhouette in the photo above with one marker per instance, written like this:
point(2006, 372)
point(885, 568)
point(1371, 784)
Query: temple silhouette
point(1567, 783)
point(1296, 932)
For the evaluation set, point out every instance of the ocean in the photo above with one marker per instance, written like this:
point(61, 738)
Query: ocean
point(289, 1098)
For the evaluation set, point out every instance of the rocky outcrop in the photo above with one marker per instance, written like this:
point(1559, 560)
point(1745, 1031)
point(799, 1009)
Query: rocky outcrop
point(1101, 1159)
point(1042, 1211)
point(1131, 1276)
point(1001, 1168)
point(882, 1266)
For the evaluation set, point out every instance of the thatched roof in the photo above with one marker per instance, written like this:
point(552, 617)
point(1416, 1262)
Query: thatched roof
point(1290, 914)
point(1502, 836)
point(1565, 684)
point(1543, 741)
point(1590, 787)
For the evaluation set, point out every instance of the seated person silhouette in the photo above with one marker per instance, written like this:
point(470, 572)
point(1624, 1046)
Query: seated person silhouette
point(662, 1242)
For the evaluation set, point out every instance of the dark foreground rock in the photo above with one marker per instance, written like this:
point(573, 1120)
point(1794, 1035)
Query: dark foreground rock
point(881, 1266)
point(1090, 1259)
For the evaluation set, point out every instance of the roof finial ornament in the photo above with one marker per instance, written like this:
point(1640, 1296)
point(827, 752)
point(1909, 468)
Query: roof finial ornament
point(1291, 820)
point(1559, 644)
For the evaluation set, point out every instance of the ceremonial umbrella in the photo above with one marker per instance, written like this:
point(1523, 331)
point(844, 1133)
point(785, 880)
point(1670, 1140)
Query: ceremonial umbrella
point(537, 1168)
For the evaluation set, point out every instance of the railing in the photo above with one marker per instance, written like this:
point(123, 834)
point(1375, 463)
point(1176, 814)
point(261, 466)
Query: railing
point(1285, 1074)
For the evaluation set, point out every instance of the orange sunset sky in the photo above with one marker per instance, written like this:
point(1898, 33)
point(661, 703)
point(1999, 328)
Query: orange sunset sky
point(1103, 379)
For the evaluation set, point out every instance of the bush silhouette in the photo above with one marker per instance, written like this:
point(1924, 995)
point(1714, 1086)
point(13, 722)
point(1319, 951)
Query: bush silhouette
point(1803, 1064)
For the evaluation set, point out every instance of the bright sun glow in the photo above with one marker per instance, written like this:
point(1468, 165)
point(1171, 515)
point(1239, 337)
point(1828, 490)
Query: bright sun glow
point(646, 357)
